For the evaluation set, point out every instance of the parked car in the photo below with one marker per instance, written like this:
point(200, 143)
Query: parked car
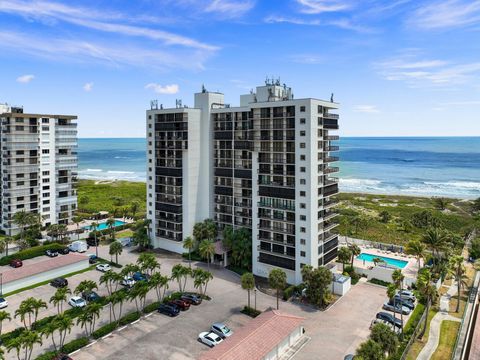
point(221, 330)
point(64, 251)
point(168, 310)
point(407, 294)
point(92, 259)
point(396, 308)
point(209, 338)
point(181, 304)
point(126, 242)
point(349, 357)
point(59, 282)
point(192, 299)
point(405, 302)
point(77, 302)
point(62, 357)
point(92, 242)
point(91, 296)
point(103, 267)
point(389, 318)
point(128, 281)
point(3, 303)
point(380, 321)
point(78, 246)
point(16, 263)
point(51, 253)
point(138, 276)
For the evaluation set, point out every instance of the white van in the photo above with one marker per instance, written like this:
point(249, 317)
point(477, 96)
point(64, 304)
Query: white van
point(78, 246)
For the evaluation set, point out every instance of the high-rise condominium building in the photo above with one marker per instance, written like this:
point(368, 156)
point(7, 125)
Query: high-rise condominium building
point(265, 165)
point(38, 166)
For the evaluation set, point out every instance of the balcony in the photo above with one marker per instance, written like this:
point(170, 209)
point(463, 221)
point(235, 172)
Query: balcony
point(330, 190)
point(330, 170)
point(329, 159)
point(331, 116)
point(332, 138)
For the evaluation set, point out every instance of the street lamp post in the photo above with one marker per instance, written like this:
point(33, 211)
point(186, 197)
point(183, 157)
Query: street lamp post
point(255, 293)
point(1, 284)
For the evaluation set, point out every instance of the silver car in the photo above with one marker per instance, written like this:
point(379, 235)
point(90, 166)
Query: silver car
point(221, 330)
point(397, 309)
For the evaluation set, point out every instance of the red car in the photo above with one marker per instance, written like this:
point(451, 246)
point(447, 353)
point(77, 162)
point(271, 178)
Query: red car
point(16, 263)
point(181, 304)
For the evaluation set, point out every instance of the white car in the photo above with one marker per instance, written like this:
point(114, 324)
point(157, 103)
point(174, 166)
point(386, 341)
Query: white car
point(128, 281)
point(103, 267)
point(407, 294)
point(77, 302)
point(209, 338)
point(3, 303)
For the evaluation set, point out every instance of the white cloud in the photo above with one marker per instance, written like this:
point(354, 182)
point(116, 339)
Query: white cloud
point(272, 19)
point(428, 72)
point(25, 79)
point(88, 87)
point(369, 109)
point(112, 53)
point(230, 8)
point(160, 89)
point(446, 14)
point(309, 59)
point(321, 6)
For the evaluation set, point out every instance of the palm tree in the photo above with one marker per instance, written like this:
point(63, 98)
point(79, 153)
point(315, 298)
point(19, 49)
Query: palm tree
point(207, 250)
point(116, 249)
point(118, 297)
point(7, 240)
point(158, 281)
point(354, 252)
point(134, 208)
point(134, 294)
point(436, 240)
point(277, 280)
point(28, 308)
point(142, 289)
point(248, 283)
point(199, 232)
point(417, 249)
point(398, 278)
point(111, 280)
point(4, 316)
point(391, 291)
point(77, 220)
point(111, 225)
point(129, 270)
point(86, 286)
point(179, 273)
point(94, 310)
point(457, 269)
point(59, 298)
point(37, 305)
point(210, 229)
point(344, 256)
point(84, 320)
point(429, 293)
point(28, 339)
point(189, 243)
point(125, 210)
point(94, 227)
point(148, 263)
point(65, 324)
point(49, 330)
point(22, 219)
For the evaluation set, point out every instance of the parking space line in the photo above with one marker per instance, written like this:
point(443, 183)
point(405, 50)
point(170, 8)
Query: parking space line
point(92, 343)
point(106, 336)
point(124, 327)
point(136, 321)
point(148, 315)
point(76, 351)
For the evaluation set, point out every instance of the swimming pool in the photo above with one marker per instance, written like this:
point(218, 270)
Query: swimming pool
point(390, 261)
point(103, 225)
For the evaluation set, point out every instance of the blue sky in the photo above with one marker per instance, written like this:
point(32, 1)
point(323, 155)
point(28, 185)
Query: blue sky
point(397, 67)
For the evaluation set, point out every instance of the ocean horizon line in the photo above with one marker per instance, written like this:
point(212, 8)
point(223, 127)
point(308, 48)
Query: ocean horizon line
point(341, 136)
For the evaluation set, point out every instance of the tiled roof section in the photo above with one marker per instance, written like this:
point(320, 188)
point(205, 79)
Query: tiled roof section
point(49, 264)
point(257, 338)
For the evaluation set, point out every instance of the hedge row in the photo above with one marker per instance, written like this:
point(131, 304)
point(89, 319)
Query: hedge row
point(30, 253)
point(104, 330)
point(151, 307)
point(129, 318)
point(67, 348)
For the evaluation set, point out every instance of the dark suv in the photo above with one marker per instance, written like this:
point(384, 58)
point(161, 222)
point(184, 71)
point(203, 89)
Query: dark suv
point(169, 310)
point(192, 299)
point(390, 319)
point(91, 296)
point(59, 282)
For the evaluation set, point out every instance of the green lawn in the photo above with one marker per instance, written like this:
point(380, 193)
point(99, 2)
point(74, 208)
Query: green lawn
point(456, 217)
point(94, 196)
point(448, 336)
point(418, 345)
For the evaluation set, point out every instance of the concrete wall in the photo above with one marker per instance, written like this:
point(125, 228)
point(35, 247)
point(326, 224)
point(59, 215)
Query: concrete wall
point(284, 345)
point(44, 276)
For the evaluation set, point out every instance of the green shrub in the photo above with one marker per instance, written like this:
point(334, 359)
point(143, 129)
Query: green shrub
point(288, 292)
point(104, 330)
point(194, 256)
point(74, 345)
point(129, 318)
point(46, 356)
point(7, 337)
point(250, 312)
point(237, 269)
point(151, 307)
point(173, 296)
point(30, 253)
point(379, 282)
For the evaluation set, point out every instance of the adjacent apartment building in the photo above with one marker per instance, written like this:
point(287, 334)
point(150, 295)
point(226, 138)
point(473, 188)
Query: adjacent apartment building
point(265, 165)
point(38, 166)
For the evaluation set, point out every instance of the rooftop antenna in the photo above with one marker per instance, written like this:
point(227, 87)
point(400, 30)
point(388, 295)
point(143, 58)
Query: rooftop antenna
point(154, 105)
point(331, 98)
point(178, 103)
point(161, 106)
point(266, 80)
point(203, 88)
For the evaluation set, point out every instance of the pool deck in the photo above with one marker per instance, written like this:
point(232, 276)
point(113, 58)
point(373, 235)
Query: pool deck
point(410, 270)
point(84, 223)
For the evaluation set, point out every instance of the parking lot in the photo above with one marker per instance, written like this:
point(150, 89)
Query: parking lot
point(334, 333)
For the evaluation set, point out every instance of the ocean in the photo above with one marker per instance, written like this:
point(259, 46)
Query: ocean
point(424, 166)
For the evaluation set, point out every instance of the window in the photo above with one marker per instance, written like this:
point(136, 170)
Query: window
point(303, 182)
point(303, 217)
point(45, 180)
point(46, 195)
point(303, 241)
point(47, 187)
point(303, 230)
point(45, 173)
point(19, 128)
point(44, 128)
point(46, 209)
point(45, 202)
point(302, 133)
point(303, 157)
point(302, 108)
point(20, 183)
point(19, 160)
point(303, 169)
point(20, 176)
point(45, 151)
point(303, 193)
point(303, 206)
point(150, 134)
point(45, 121)
point(20, 198)
point(302, 253)
point(302, 145)
point(20, 152)
point(302, 121)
